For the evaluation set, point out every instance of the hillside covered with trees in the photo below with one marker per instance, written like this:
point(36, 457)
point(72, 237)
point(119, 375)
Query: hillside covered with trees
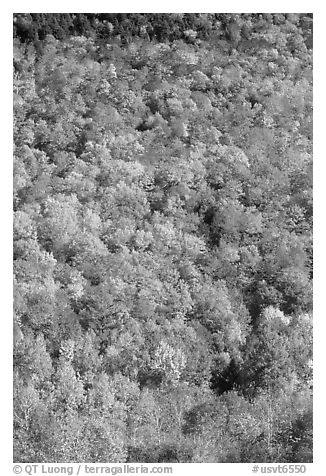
point(163, 238)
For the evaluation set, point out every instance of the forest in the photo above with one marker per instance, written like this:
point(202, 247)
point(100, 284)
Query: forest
point(162, 200)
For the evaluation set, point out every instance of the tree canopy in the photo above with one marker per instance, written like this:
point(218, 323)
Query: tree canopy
point(163, 237)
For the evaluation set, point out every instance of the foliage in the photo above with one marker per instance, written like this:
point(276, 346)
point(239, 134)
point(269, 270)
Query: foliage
point(163, 237)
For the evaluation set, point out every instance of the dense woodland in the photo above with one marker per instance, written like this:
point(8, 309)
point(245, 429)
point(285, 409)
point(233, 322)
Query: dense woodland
point(163, 238)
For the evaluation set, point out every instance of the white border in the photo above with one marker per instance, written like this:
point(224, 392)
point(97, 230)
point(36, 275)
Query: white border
point(319, 465)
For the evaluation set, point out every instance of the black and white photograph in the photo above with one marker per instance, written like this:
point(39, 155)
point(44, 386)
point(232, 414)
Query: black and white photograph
point(162, 239)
